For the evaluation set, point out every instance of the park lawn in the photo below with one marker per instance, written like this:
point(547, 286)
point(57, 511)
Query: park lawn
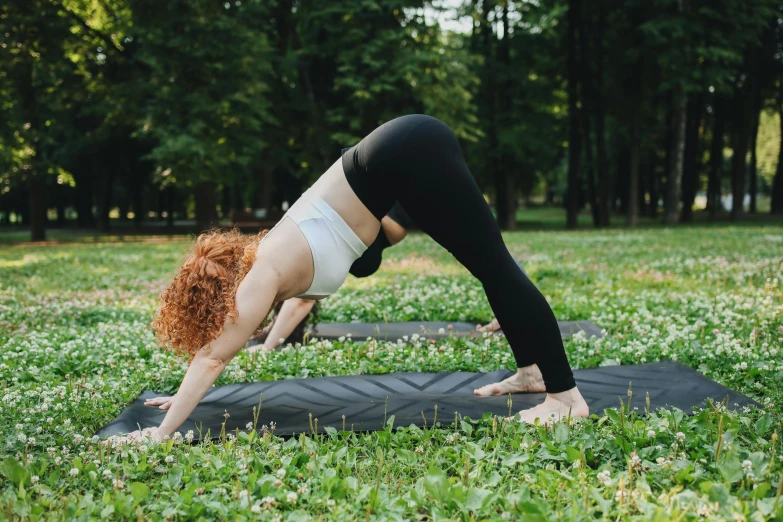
point(75, 348)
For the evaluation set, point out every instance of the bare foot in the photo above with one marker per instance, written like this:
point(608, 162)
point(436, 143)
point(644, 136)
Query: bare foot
point(556, 406)
point(494, 326)
point(526, 380)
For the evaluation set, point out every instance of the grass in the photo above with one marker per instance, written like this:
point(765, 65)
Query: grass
point(75, 348)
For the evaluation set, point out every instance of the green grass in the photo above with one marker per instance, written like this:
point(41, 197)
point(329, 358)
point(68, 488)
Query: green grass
point(75, 348)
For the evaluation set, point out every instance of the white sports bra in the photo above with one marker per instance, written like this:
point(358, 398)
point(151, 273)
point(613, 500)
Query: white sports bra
point(332, 242)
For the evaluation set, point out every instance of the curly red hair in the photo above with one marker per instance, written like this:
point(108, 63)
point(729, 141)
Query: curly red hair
point(194, 307)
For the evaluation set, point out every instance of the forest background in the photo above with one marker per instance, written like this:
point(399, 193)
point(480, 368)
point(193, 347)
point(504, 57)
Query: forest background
point(143, 115)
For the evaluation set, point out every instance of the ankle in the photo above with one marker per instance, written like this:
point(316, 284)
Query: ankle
point(529, 373)
point(571, 396)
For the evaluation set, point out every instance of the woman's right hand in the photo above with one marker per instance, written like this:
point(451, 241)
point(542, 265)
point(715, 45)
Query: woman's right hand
point(164, 403)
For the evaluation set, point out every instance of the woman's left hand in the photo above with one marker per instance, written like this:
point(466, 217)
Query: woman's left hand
point(151, 433)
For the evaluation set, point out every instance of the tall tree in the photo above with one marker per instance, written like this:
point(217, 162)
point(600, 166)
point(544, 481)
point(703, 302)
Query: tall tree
point(574, 142)
point(776, 205)
point(691, 156)
point(716, 155)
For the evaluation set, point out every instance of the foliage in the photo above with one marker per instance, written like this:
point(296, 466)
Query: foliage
point(75, 348)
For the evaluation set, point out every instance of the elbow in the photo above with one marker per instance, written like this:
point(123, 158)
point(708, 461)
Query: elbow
point(215, 364)
point(211, 362)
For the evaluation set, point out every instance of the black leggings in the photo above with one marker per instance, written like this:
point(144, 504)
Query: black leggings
point(418, 161)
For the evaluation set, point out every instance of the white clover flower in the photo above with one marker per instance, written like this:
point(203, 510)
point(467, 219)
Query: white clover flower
point(74, 472)
point(620, 495)
point(680, 436)
point(280, 473)
point(107, 473)
point(256, 508)
point(747, 466)
point(636, 462)
point(249, 426)
point(34, 479)
point(604, 477)
point(330, 502)
point(291, 497)
point(189, 436)
point(169, 459)
point(302, 490)
point(118, 483)
point(651, 434)
point(268, 502)
point(419, 450)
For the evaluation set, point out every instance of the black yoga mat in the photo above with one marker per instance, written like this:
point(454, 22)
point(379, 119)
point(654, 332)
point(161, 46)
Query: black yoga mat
point(366, 400)
point(430, 330)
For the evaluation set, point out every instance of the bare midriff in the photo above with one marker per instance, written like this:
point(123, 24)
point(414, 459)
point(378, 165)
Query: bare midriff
point(334, 189)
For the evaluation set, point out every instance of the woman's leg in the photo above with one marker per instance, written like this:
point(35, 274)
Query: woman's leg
point(436, 188)
point(494, 325)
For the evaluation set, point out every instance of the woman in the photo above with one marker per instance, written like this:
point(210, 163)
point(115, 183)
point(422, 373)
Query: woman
point(290, 316)
point(229, 283)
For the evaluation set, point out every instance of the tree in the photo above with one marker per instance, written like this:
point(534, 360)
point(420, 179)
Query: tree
point(206, 87)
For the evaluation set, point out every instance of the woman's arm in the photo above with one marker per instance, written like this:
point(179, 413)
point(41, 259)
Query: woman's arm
point(255, 296)
point(292, 313)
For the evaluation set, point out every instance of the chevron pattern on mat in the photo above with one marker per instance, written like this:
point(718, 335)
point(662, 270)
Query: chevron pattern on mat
point(367, 400)
point(430, 330)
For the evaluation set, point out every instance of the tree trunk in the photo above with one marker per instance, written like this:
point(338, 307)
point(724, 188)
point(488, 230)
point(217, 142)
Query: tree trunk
point(490, 113)
point(676, 154)
point(36, 181)
point(752, 170)
point(170, 206)
point(777, 182)
point(507, 188)
point(587, 102)
point(84, 198)
point(137, 198)
point(602, 166)
point(37, 186)
point(755, 107)
point(106, 185)
point(574, 189)
point(654, 184)
point(690, 167)
point(206, 206)
point(738, 159)
point(632, 214)
point(716, 157)
point(61, 196)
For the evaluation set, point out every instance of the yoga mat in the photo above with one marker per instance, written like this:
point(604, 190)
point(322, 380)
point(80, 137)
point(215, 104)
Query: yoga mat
point(366, 400)
point(395, 331)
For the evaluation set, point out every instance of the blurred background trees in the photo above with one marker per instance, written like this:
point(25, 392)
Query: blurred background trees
point(138, 115)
